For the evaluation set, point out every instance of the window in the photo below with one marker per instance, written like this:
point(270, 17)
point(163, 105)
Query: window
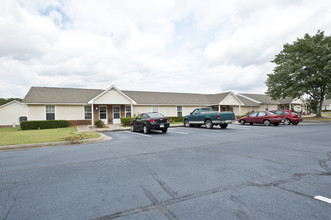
point(223, 109)
point(88, 112)
point(155, 108)
point(103, 112)
point(50, 112)
point(195, 112)
point(231, 108)
point(179, 111)
point(216, 108)
point(253, 114)
point(128, 111)
point(262, 114)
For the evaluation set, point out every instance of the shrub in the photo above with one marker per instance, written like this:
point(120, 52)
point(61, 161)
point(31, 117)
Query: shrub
point(46, 124)
point(248, 113)
point(99, 124)
point(176, 119)
point(126, 121)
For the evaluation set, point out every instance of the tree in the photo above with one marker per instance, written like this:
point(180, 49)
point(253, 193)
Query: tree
point(303, 68)
point(4, 101)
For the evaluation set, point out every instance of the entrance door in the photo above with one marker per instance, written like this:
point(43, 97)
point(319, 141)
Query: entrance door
point(116, 115)
point(103, 114)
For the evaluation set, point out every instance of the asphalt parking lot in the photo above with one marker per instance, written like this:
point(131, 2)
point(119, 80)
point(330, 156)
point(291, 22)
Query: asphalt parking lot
point(242, 172)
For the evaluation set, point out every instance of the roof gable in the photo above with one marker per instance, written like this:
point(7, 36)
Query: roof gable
point(112, 95)
point(13, 102)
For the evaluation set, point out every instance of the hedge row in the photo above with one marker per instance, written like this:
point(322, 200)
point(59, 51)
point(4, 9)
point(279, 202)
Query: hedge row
point(30, 125)
point(176, 119)
point(126, 121)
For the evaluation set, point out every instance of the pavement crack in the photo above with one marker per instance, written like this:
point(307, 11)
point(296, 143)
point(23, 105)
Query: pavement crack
point(154, 175)
point(9, 204)
point(161, 208)
point(248, 156)
point(164, 204)
point(324, 165)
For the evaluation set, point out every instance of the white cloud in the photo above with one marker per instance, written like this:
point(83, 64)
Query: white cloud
point(188, 46)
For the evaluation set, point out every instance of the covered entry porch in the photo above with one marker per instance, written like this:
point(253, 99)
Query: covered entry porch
point(110, 106)
point(111, 114)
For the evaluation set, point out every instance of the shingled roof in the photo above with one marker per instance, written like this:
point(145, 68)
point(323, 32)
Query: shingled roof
point(60, 95)
point(51, 95)
point(265, 99)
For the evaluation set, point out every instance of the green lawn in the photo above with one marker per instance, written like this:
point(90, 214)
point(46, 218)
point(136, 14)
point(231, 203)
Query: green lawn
point(11, 136)
point(316, 119)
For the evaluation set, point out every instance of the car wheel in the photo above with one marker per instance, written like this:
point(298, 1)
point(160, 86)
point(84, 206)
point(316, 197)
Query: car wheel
point(250, 123)
point(242, 122)
point(132, 128)
point(186, 123)
point(208, 124)
point(145, 129)
point(223, 126)
point(276, 124)
point(295, 123)
point(287, 121)
point(266, 123)
point(164, 130)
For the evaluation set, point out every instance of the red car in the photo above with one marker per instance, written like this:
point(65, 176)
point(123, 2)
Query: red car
point(262, 117)
point(288, 116)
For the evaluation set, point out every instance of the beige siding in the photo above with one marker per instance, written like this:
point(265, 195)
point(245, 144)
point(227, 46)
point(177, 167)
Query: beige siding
point(138, 109)
point(112, 97)
point(297, 108)
point(230, 100)
point(36, 112)
point(69, 112)
point(168, 110)
point(9, 114)
point(298, 101)
point(270, 107)
point(165, 110)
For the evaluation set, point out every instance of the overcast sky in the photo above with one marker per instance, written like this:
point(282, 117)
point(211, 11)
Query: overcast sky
point(204, 46)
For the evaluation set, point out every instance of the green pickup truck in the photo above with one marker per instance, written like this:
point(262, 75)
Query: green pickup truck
point(209, 118)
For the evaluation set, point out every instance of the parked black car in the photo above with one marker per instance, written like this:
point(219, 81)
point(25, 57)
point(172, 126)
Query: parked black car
point(147, 122)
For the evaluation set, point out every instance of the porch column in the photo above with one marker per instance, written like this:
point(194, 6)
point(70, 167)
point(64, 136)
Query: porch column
point(92, 114)
point(239, 110)
point(219, 108)
point(131, 110)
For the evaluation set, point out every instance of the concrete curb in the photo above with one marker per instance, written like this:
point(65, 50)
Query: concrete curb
point(53, 144)
point(125, 128)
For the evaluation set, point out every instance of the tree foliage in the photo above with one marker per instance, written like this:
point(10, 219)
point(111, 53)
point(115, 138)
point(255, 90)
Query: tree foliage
point(303, 68)
point(4, 101)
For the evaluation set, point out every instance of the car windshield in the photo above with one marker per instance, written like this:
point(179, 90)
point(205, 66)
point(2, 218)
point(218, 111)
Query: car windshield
point(155, 115)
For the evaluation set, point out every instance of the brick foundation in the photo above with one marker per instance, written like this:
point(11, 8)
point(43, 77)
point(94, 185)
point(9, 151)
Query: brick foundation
point(8, 126)
point(80, 122)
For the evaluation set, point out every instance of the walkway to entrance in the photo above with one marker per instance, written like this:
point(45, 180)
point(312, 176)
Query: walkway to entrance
point(110, 127)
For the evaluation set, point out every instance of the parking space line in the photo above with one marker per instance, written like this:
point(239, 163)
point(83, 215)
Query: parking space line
point(322, 198)
point(177, 132)
point(145, 135)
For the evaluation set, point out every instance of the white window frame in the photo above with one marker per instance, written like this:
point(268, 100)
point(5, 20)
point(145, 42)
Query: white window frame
point(86, 112)
point(50, 112)
point(128, 112)
point(155, 107)
point(181, 111)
